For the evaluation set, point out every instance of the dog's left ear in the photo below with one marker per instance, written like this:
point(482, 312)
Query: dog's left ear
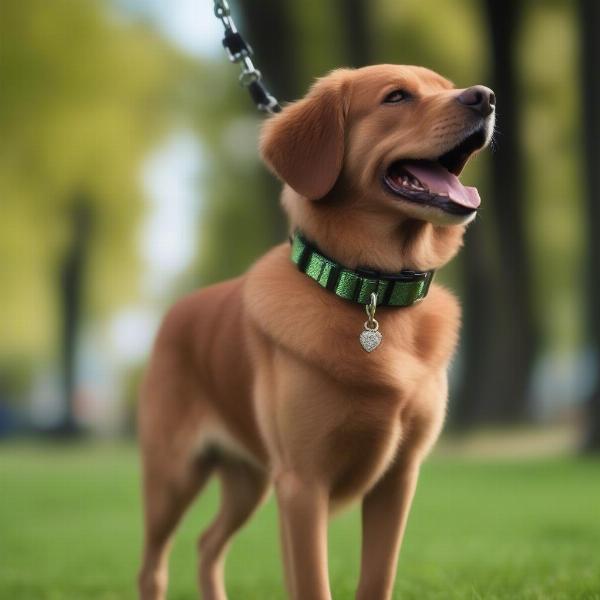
point(304, 144)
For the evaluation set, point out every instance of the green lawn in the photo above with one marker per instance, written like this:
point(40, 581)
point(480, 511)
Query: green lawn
point(70, 528)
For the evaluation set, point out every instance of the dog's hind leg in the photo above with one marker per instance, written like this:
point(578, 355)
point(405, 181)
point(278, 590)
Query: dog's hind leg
point(243, 487)
point(168, 491)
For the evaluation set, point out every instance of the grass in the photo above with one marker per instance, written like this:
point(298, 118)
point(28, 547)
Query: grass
point(494, 529)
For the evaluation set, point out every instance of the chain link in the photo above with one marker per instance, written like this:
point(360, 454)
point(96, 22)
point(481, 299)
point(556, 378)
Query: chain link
point(238, 51)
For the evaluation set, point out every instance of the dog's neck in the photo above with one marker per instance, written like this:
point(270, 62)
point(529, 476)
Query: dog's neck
point(356, 236)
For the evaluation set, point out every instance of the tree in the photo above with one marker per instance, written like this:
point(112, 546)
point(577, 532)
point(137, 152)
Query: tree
point(589, 16)
point(271, 32)
point(73, 269)
point(242, 217)
point(502, 359)
point(479, 335)
point(356, 33)
point(521, 337)
point(85, 96)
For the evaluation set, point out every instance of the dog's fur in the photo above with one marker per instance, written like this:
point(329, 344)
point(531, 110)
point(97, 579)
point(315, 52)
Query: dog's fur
point(261, 379)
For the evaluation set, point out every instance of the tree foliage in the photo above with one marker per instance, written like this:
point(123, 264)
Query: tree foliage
point(84, 96)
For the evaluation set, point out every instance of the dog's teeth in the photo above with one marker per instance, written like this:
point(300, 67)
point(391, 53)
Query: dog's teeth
point(416, 184)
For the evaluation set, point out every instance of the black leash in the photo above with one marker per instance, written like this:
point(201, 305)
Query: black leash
point(239, 51)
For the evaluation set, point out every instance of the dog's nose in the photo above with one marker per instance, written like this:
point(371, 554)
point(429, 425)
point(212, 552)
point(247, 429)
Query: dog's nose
point(479, 98)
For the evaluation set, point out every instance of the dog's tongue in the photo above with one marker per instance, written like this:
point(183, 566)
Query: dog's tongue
point(440, 181)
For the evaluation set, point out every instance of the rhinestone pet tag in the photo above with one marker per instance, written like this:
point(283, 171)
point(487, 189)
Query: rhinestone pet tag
point(371, 337)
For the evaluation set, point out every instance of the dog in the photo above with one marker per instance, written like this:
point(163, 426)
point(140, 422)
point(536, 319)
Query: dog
point(264, 380)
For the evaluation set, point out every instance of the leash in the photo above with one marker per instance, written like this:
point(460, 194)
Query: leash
point(238, 51)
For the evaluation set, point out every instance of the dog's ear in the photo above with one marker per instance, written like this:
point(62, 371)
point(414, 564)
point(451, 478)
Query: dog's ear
point(304, 144)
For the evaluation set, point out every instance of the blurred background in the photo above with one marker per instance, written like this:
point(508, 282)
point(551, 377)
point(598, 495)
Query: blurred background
point(129, 176)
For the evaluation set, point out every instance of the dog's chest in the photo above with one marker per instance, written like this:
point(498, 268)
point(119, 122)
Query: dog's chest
point(363, 447)
point(319, 328)
point(326, 406)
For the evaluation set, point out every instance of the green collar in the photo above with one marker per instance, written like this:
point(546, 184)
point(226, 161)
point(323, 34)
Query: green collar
point(393, 289)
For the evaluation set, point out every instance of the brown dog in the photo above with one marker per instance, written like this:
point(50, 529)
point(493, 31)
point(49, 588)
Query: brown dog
point(262, 379)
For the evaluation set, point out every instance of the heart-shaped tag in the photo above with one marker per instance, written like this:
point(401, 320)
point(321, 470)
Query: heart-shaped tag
point(369, 339)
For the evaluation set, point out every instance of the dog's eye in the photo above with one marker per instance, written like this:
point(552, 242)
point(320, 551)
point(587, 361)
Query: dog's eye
point(395, 97)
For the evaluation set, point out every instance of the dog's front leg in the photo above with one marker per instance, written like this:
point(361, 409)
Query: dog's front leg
point(303, 509)
point(384, 514)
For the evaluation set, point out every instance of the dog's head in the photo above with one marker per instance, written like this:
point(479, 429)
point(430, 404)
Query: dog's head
point(384, 143)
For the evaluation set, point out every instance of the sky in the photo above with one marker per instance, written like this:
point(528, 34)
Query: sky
point(188, 24)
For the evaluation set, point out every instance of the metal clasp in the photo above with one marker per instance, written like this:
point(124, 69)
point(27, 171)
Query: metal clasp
point(370, 309)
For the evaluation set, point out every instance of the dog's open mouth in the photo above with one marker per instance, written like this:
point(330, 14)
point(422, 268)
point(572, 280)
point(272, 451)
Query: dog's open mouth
point(435, 182)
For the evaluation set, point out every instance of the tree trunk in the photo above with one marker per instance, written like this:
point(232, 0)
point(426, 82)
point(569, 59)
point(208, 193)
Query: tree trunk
point(479, 348)
point(589, 15)
point(72, 273)
point(354, 16)
point(518, 337)
point(500, 334)
point(268, 28)
point(267, 25)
